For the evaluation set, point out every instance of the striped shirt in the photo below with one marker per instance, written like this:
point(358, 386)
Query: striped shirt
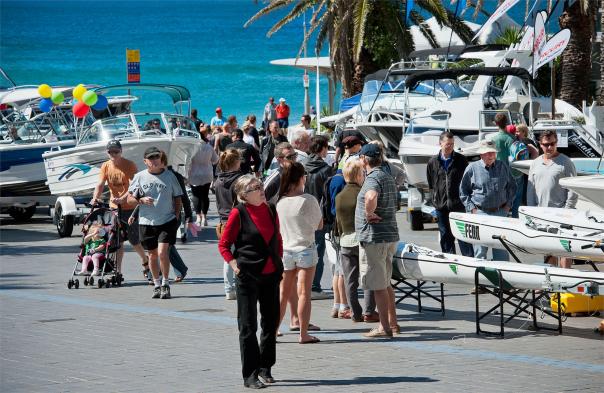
point(386, 230)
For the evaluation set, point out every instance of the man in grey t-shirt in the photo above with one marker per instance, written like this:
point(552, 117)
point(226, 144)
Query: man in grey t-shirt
point(157, 192)
point(544, 182)
point(375, 225)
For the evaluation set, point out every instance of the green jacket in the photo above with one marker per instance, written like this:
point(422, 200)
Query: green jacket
point(503, 141)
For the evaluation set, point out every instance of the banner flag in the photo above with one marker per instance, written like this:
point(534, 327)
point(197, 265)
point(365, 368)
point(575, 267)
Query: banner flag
point(499, 12)
point(553, 48)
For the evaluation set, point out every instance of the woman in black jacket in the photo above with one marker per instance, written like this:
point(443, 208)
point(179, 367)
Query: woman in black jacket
point(444, 173)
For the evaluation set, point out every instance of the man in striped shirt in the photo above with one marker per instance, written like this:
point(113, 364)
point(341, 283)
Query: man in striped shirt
point(375, 224)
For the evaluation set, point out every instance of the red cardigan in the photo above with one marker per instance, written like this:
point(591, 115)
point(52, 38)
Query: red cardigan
point(262, 218)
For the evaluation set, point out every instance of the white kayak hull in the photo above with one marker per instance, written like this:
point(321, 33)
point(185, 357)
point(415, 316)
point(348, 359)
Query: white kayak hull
point(76, 171)
point(482, 229)
point(581, 220)
point(423, 264)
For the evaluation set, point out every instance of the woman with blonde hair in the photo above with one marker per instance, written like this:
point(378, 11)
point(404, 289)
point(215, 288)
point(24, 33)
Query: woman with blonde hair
point(300, 218)
point(228, 163)
point(252, 230)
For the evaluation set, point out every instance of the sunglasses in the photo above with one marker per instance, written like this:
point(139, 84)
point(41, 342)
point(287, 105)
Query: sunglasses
point(548, 144)
point(257, 187)
point(114, 152)
point(292, 156)
point(154, 157)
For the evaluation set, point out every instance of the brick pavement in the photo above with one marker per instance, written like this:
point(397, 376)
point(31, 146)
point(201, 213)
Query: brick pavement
point(120, 340)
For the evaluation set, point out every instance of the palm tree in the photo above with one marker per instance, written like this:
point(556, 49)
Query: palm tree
point(363, 35)
point(576, 58)
point(601, 98)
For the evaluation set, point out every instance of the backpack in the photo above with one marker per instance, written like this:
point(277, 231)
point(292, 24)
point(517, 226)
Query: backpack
point(328, 218)
point(518, 152)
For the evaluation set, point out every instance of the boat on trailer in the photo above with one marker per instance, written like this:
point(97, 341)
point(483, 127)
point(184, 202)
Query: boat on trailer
point(581, 220)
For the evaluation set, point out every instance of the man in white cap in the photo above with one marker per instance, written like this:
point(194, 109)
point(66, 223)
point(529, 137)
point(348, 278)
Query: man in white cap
point(487, 187)
point(282, 114)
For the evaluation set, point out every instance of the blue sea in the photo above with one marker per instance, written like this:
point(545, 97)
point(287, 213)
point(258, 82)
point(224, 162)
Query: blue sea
point(200, 44)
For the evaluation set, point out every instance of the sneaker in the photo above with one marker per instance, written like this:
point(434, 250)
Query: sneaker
point(95, 273)
point(165, 292)
point(156, 293)
point(253, 382)
point(319, 295)
point(231, 296)
point(265, 375)
point(377, 333)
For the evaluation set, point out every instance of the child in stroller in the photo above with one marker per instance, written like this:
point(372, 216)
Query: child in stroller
point(95, 243)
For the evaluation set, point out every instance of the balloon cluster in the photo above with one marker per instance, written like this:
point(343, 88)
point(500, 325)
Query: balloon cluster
point(49, 98)
point(85, 99)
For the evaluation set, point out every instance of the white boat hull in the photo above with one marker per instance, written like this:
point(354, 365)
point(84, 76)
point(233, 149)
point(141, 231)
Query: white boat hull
point(420, 263)
point(589, 187)
point(481, 229)
point(581, 220)
point(76, 171)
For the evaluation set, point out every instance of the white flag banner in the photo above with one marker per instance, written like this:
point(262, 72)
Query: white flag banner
point(499, 12)
point(553, 48)
point(539, 40)
point(525, 43)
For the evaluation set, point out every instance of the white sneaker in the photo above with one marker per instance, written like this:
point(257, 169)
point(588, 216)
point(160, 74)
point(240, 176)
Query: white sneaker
point(95, 272)
point(231, 296)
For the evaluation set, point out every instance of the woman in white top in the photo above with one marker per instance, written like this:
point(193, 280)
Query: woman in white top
point(200, 177)
point(299, 218)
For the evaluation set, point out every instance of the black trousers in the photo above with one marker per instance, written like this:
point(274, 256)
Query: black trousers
point(201, 198)
point(251, 292)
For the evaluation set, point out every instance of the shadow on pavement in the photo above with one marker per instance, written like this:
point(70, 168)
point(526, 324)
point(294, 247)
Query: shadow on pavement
point(22, 235)
point(7, 250)
point(354, 381)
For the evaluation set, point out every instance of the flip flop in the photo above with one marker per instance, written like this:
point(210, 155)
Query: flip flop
point(311, 328)
point(313, 340)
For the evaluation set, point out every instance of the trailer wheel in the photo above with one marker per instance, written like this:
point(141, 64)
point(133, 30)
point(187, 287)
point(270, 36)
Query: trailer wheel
point(64, 223)
point(22, 213)
point(416, 220)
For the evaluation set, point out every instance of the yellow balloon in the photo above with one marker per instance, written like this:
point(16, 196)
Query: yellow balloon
point(44, 90)
point(79, 91)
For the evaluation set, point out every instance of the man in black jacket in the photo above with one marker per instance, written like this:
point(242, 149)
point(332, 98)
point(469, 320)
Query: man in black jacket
point(444, 173)
point(318, 173)
point(250, 159)
point(267, 146)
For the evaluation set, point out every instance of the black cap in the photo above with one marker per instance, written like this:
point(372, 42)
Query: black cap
point(152, 151)
point(114, 143)
point(371, 150)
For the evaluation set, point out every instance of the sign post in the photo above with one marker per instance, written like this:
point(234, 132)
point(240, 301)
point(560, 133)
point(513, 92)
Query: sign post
point(133, 64)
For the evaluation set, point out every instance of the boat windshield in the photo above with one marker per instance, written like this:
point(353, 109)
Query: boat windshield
point(135, 126)
point(435, 124)
point(52, 127)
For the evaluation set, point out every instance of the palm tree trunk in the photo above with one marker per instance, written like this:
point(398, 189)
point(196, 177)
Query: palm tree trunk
point(576, 59)
point(601, 98)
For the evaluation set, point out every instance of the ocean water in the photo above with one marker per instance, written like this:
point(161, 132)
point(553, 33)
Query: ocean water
point(200, 44)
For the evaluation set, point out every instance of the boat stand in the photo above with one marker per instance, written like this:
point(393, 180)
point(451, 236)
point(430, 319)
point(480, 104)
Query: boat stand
point(519, 299)
point(407, 289)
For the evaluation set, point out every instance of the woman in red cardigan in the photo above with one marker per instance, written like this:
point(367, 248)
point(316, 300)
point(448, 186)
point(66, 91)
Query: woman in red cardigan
point(253, 229)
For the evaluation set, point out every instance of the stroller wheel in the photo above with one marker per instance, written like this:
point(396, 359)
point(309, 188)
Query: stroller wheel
point(100, 283)
point(85, 280)
point(91, 281)
point(69, 284)
point(76, 283)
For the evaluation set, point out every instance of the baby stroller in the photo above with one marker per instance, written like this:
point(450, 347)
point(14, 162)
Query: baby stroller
point(108, 219)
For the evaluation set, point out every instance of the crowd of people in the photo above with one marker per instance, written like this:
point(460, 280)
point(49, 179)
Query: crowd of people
point(281, 203)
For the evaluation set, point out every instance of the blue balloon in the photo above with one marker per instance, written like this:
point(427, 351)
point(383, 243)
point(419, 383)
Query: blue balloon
point(101, 103)
point(45, 105)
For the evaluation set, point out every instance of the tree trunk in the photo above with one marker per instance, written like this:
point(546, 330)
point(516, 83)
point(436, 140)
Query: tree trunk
point(601, 97)
point(576, 59)
point(364, 67)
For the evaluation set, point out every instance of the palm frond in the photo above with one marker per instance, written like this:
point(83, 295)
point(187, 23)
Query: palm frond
point(424, 29)
point(362, 10)
point(312, 28)
point(460, 28)
point(436, 8)
point(479, 5)
point(275, 4)
point(294, 13)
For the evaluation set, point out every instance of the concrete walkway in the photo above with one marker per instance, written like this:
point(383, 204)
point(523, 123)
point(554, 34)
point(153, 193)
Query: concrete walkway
point(120, 340)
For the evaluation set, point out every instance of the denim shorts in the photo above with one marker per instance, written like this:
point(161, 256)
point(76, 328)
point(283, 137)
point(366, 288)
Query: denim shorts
point(304, 259)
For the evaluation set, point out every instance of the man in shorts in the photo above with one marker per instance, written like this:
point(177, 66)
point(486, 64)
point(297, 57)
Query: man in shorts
point(375, 225)
point(158, 194)
point(117, 173)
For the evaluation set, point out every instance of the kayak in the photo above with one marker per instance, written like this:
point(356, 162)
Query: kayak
point(528, 239)
point(582, 220)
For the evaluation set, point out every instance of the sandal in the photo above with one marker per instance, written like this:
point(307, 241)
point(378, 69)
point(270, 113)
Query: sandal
point(311, 340)
point(311, 328)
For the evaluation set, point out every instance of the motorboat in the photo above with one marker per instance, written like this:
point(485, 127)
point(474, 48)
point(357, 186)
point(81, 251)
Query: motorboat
point(583, 220)
point(420, 263)
point(588, 187)
point(26, 134)
point(75, 171)
point(527, 237)
point(584, 166)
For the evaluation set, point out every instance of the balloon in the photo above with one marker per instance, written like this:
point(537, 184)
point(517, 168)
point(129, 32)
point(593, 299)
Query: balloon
point(90, 98)
point(79, 91)
point(80, 110)
point(101, 103)
point(45, 105)
point(57, 97)
point(44, 90)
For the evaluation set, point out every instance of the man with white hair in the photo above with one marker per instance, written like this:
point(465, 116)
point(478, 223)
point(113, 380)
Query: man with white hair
point(282, 114)
point(301, 143)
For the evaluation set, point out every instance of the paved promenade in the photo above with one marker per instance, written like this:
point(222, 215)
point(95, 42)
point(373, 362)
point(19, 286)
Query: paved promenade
point(120, 340)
